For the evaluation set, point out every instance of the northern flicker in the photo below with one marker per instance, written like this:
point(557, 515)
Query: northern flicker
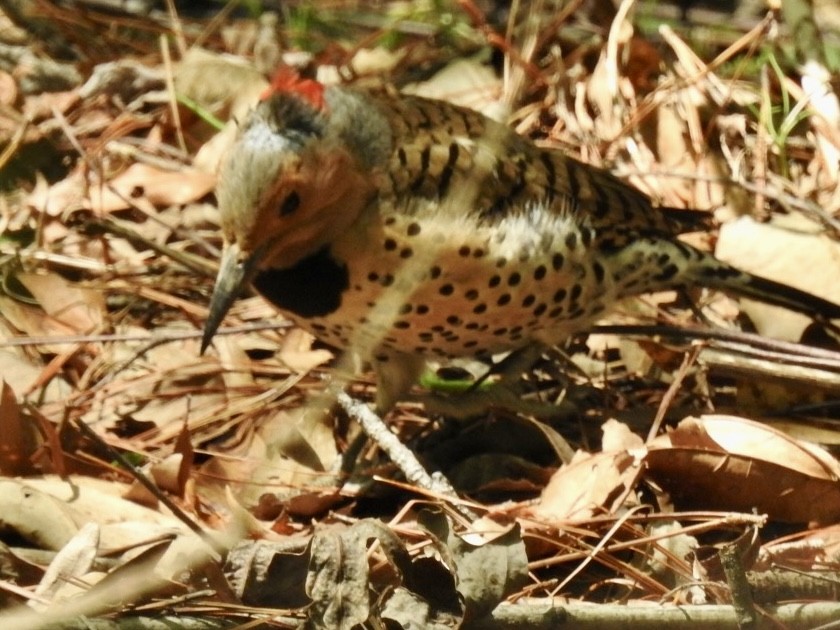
point(331, 196)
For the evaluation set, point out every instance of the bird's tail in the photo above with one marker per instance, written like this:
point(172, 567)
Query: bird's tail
point(716, 274)
point(652, 263)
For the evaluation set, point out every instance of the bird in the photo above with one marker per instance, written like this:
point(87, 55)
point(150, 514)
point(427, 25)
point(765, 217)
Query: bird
point(415, 229)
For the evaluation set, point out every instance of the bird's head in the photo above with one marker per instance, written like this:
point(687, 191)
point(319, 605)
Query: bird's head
point(293, 180)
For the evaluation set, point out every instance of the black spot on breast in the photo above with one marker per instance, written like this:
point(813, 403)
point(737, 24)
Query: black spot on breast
point(529, 300)
point(413, 229)
point(311, 288)
point(421, 309)
point(557, 261)
point(446, 289)
point(472, 294)
point(514, 279)
point(539, 272)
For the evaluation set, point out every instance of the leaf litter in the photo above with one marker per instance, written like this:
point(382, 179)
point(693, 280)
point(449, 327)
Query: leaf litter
point(108, 236)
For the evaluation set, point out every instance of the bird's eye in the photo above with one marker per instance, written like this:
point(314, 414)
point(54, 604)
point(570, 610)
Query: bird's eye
point(290, 204)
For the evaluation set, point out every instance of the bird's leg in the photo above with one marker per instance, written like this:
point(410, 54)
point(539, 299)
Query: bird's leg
point(395, 374)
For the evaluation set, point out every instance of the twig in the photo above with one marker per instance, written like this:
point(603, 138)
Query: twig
point(739, 587)
point(403, 458)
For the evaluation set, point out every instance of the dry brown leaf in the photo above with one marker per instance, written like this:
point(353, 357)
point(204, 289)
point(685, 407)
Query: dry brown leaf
point(729, 463)
point(594, 483)
point(18, 437)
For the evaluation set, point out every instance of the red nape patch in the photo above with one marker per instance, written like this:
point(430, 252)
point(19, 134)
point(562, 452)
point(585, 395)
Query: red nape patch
point(287, 80)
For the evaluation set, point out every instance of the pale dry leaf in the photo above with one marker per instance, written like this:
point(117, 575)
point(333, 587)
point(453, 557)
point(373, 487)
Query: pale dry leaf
point(304, 435)
point(32, 321)
point(235, 363)
point(619, 437)
point(35, 516)
point(485, 530)
point(242, 523)
point(209, 157)
point(816, 84)
point(8, 89)
point(811, 262)
point(79, 499)
point(226, 85)
point(71, 562)
point(468, 82)
point(166, 473)
point(376, 61)
point(82, 310)
point(592, 484)
point(297, 353)
point(139, 184)
point(740, 436)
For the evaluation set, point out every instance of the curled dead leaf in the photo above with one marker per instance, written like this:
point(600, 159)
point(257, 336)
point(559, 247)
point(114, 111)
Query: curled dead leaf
point(730, 463)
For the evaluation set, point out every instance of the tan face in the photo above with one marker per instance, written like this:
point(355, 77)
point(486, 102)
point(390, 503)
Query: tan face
point(293, 206)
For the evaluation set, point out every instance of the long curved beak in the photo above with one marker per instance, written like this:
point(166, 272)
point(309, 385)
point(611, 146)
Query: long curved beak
point(234, 273)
